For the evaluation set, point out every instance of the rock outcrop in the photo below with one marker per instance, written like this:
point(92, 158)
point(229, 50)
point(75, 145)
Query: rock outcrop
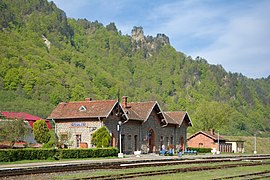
point(149, 44)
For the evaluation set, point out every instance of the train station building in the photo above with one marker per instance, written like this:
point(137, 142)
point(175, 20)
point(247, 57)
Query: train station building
point(143, 125)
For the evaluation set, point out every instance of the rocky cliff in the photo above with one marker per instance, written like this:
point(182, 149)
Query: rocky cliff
point(149, 44)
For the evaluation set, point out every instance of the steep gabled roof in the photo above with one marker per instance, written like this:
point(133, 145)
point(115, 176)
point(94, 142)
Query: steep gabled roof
point(83, 109)
point(142, 110)
point(208, 134)
point(177, 117)
point(139, 110)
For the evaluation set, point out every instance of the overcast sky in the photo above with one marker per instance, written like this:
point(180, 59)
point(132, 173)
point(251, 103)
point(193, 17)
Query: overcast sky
point(233, 33)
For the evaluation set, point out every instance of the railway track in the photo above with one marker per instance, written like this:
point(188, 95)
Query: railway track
point(255, 175)
point(178, 170)
point(41, 169)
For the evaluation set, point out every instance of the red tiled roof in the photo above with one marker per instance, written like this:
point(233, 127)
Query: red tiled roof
point(139, 110)
point(89, 109)
point(209, 134)
point(214, 136)
point(102, 108)
point(142, 110)
point(169, 119)
point(18, 144)
point(177, 117)
point(19, 115)
point(25, 116)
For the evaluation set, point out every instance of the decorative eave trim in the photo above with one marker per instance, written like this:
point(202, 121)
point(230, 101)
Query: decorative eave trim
point(127, 118)
point(186, 114)
point(111, 109)
point(161, 112)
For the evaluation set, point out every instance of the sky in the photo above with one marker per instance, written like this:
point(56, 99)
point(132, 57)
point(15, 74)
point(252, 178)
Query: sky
point(231, 33)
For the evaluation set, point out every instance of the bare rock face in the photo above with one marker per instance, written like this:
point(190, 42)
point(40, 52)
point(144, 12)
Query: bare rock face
point(137, 38)
point(150, 44)
point(46, 41)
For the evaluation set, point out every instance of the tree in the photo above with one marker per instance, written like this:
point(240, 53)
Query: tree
point(101, 137)
point(212, 115)
point(13, 131)
point(53, 140)
point(41, 132)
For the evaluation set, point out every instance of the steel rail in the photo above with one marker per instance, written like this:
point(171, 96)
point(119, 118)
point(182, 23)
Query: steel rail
point(171, 171)
point(17, 171)
point(255, 175)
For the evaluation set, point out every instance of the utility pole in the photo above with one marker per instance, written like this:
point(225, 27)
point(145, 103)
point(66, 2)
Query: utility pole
point(120, 154)
point(255, 151)
point(218, 152)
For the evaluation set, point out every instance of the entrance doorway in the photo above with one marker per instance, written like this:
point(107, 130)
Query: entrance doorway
point(151, 141)
point(113, 140)
point(182, 142)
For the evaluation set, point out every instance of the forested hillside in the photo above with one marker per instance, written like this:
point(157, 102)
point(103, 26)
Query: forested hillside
point(46, 58)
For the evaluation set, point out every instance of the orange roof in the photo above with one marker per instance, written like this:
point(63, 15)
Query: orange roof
point(208, 134)
point(83, 109)
point(102, 108)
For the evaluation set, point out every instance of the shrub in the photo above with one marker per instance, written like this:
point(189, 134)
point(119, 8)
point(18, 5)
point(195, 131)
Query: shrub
point(41, 131)
point(9, 155)
point(201, 150)
point(101, 137)
point(53, 140)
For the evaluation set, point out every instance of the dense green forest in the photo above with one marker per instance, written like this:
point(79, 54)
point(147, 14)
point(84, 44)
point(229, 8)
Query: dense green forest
point(47, 58)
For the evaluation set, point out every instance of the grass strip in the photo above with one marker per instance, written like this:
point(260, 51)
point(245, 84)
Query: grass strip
point(102, 172)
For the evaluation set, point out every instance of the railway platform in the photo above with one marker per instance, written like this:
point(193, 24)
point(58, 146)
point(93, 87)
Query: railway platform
point(129, 161)
point(111, 161)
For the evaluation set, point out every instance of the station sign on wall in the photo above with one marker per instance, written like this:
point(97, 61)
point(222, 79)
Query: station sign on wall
point(78, 124)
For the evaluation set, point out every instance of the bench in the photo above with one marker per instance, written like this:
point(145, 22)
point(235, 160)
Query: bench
point(166, 152)
point(190, 152)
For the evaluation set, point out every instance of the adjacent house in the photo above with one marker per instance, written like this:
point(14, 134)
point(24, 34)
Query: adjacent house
point(28, 118)
point(209, 139)
point(5, 115)
point(143, 125)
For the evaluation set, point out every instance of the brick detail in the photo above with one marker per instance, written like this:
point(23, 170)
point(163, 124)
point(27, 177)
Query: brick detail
point(202, 141)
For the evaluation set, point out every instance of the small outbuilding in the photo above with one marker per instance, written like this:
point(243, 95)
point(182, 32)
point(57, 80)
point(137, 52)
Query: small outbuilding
point(209, 139)
point(237, 146)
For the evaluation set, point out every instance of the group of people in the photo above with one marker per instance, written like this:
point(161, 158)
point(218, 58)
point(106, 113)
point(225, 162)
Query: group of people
point(164, 151)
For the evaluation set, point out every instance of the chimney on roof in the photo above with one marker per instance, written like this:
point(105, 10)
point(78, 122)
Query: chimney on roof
point(88, 99)
point(124, 101)
point(212, 131)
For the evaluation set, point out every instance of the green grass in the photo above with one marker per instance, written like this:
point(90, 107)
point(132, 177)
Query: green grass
point(205, 175)
point(263, 144)
point(102, 172)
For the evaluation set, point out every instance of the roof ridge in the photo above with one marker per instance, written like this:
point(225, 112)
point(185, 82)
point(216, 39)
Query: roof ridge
point(171, 117)
point(174, 111)
point(87, 101)
point(143, 102)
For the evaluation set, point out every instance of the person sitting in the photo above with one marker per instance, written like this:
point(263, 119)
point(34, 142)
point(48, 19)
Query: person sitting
point(163, 150)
